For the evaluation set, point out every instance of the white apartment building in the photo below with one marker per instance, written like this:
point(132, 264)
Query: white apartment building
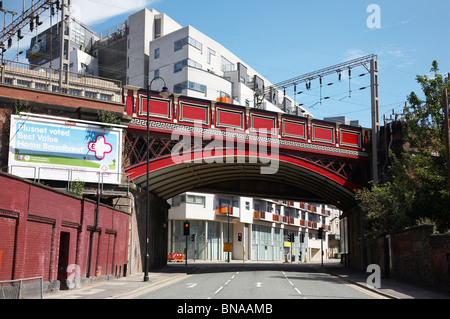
point(192, 64)
point(149, 44)
point(264, 225)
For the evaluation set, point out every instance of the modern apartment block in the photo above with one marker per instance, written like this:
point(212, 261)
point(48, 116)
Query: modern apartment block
point(193, 64)
point(257, 228)
point(150, 44)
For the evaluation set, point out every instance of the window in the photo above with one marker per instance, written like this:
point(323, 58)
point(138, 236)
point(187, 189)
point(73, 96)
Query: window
point(157, 53)
point(74, 92)
point(178, 45)
point(211, 53)
point(106, 97)
point(195, 199)
point(247, 205)
point(197, 87)
point(177, 88)
point(176, 201)
point(157, 28)
point(227, 65)
point(23, 83)
point(156, 73)
point(92, 95)
point(40, 86)
point(179, 65)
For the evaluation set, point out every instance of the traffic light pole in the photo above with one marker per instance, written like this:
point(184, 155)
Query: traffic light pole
point(321, 234)
point(186, 231)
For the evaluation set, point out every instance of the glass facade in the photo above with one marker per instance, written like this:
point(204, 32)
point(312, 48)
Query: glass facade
point(208, 241)
point(268, 243)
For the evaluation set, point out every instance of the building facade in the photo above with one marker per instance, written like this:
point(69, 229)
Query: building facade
point(258, 229)
point(150, 44)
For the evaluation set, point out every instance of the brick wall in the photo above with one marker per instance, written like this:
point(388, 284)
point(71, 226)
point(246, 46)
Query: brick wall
point(416, 256)
point(32, 218)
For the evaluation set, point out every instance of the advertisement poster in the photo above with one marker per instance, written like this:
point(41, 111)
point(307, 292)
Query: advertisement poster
point(47, 149)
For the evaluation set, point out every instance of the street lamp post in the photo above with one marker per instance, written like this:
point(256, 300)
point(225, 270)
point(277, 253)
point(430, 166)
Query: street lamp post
point(165, 94)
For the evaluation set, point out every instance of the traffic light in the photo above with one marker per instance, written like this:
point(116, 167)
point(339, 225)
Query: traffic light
point(291, 237)
point(193, 237)
point(320, 232)
point(239, 236)
point(186, 229)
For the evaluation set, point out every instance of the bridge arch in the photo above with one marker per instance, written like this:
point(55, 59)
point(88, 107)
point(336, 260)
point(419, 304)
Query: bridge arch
point(295, 178)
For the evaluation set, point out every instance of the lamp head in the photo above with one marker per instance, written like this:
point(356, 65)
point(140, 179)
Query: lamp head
point(165, 93)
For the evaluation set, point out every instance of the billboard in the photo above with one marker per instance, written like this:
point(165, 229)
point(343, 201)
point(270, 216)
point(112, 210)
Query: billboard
point(54, 149)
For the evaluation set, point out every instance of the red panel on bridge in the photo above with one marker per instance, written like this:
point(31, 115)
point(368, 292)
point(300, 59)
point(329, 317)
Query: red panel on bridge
point(158, 108)
point(259, 122)
point(194, 112)
point(229, 118)
point(350, 138)
point(323, 134)
point(294, 129)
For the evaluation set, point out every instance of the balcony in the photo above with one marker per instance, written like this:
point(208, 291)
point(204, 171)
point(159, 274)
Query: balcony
point(312, 225)
point(62, 82)
point(288, 220)
point(227, 211)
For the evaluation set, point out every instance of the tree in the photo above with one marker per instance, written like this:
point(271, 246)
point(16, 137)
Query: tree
point(415, 190)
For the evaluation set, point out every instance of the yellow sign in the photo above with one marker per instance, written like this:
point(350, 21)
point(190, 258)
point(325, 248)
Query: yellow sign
point(287, 244)
point(228, 247)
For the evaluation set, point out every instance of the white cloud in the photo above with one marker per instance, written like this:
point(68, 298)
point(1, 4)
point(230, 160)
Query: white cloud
point(353, 53)
point(92, 12)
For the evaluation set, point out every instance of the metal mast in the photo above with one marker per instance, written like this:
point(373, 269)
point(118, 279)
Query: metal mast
point(370, 60)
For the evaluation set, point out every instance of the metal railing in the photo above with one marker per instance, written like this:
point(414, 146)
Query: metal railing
point(123, 179)
point(25, 288)
point(60, 81)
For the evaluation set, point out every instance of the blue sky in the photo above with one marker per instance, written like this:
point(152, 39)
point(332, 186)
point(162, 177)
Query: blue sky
point(284, 39)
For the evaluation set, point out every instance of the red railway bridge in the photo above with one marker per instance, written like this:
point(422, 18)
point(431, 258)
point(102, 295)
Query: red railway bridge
point(196, 144)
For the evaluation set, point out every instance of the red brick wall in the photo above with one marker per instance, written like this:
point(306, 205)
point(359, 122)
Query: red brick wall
point(32, 218)
point(417, 256)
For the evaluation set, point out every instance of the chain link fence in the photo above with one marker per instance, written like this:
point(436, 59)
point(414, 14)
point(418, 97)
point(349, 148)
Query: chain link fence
point(27, 288)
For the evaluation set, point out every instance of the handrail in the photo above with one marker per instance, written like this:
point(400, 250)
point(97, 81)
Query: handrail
point(48, 79)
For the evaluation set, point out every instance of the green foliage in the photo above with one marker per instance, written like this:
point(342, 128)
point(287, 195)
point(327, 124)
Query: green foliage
point(416, 189)
point(20, 106)
point(108, 117)
point(77, 188)
point(424, 117)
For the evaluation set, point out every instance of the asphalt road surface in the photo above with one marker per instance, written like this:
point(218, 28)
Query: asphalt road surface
point(258, 281)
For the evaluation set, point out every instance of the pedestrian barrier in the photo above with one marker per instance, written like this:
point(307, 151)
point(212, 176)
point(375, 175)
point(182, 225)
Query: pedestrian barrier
point(176, 257)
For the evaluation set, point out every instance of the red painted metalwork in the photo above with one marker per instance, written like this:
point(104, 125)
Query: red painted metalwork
point(332, 150)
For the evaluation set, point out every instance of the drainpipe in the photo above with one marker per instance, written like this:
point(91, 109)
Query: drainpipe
point(91, 237)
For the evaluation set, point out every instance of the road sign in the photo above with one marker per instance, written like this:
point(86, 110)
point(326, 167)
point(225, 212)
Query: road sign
point(228, 247)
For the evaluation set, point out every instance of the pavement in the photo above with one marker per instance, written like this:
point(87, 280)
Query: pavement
point(134, 285)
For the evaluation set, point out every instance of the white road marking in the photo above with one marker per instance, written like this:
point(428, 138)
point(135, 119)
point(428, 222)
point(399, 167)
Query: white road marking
point(291, 283)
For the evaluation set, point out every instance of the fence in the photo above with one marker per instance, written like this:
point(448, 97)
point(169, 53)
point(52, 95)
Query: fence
point(61, 81)
point(26, 288)
point(70, 175)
